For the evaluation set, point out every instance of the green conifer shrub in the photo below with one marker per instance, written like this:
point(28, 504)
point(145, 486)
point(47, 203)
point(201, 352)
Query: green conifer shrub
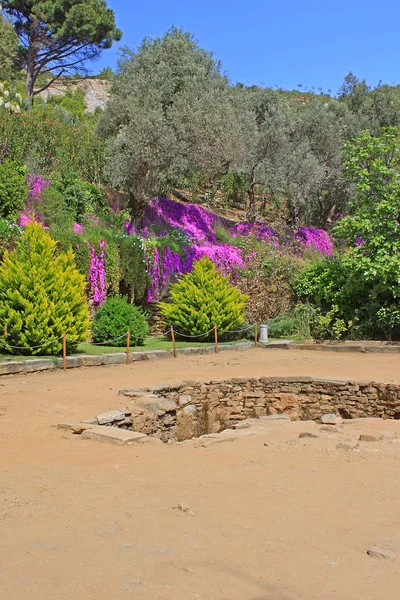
point(42, 295)
point(114, 319)
point(202, 299)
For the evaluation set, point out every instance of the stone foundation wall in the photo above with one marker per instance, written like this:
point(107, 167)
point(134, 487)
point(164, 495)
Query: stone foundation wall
point(194, 408)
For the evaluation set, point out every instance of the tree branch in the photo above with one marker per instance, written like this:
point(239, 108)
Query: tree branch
point(48, 84)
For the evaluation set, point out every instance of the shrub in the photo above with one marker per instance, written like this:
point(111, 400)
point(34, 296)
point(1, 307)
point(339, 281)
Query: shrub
point(202, 299)
point(41, 296)
point(13, 189)
point(283, 326)
point(114, 319)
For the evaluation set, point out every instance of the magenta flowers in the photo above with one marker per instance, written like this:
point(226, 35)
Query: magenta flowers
point(97, 275)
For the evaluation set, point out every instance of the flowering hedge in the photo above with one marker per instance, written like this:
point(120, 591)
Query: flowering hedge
point(171, 238)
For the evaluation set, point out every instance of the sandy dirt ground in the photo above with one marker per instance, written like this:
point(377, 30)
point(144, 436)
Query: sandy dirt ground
point(275, 516)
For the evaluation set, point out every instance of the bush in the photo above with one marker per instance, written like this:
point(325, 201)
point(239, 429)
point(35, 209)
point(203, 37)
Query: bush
point(202, 299)
point(114, 319)
point(41, 296)
point(283, 326)
point(13, 189)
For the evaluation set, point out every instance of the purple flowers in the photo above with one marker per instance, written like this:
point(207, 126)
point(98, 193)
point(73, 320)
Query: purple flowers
point(196, 222)
point(78, 229)
point(31, 214)
point(37, 184)
point(316, 238)
point(97, 275)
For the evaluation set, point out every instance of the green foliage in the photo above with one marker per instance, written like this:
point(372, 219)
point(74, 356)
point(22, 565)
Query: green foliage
point(234, 186)
point(43, 143)
point(8, 50)
point(13, 189)
point(202, 299)
point(170, 115)
point(113, 272)
point(114, 319)
point(41, 296)
point(72, 103)
point(80, 198)
point(358, 292)
point(135, 278)
point(59, 36)
point(283, 326)
point(9, 233)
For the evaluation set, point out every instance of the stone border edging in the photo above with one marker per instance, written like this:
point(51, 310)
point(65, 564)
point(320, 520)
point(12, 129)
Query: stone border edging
point(364, 348)
point(30, 365)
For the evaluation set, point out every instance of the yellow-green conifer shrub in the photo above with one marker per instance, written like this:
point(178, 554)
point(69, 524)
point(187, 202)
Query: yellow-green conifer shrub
point(42, 295)
point(202, 299)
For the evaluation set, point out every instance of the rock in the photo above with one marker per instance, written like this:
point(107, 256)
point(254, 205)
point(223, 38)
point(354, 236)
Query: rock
point(329, 428)
point(242, 425)
point(277, 417)
point(75, 427)
point(112, 435)
point(190, 409)
point(307, 434)
point(130, 585)
point(365, 437)
point(331, 419)
point(385, 550)
point(346, 446)
point(184, 508)
point(185, 400)
point(110, 417)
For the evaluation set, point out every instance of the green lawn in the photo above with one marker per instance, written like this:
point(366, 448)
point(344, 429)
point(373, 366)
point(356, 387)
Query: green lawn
point(150, 344)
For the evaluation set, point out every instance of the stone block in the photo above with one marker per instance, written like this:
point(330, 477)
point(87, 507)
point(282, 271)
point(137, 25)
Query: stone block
point(110, 417)
point(157, 354)
point(43, 364)
point(92, 360)
point(112, 435)
point(137, 356)
point(11, 367)
point(115, 359)
point(72, 362)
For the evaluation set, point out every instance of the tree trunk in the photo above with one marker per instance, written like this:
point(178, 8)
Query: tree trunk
point(30, 82)
point(136, 208)
point(251, 213)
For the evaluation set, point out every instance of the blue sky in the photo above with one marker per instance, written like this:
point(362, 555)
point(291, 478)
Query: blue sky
point(281, 43)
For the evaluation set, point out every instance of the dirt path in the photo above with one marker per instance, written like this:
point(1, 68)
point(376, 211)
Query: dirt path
point(275, 517)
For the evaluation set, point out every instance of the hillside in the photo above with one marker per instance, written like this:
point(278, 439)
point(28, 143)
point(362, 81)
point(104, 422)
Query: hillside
point(96, 91)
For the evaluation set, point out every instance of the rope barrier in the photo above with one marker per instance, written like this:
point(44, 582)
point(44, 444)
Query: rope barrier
point(193, 336)
point(33, 347)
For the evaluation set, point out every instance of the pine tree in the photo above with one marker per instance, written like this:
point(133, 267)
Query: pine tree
point(202, 299)
point(41, 296)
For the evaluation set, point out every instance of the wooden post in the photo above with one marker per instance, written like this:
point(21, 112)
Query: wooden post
point(128, 343)
point(64, 351)
point(173, 341)
point(216, 338)
point(5, 331)
point(255, 334)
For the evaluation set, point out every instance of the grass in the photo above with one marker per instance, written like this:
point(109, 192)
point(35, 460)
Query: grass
point(150, 344)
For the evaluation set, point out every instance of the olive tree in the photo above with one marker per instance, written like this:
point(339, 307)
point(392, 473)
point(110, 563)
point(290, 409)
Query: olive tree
point(171, 112)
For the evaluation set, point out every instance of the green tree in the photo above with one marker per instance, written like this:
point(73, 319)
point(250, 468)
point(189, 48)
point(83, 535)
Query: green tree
point(13, 189)
point(171, 114)
point(202, 299)
point(372, 228)
point(8, 50)
point(41, 296)
point(59, 36)
point(361, 286)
